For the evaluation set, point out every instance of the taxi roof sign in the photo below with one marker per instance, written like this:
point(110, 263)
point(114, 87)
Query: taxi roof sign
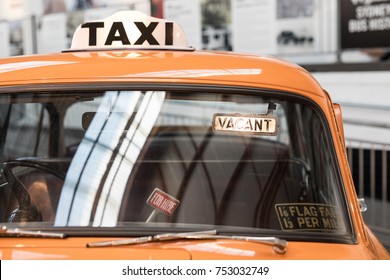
point(129, 30)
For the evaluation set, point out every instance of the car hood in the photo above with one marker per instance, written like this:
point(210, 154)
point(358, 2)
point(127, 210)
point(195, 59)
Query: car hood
point(76, 249)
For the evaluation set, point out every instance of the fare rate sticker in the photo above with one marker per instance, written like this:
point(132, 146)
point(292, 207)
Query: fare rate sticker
point(163, 202)
point(245, 123)
point(308, 216)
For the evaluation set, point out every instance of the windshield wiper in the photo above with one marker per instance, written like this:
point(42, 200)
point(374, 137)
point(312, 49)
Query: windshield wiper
point(4, 231)
point(279, 245)
point(158, 237)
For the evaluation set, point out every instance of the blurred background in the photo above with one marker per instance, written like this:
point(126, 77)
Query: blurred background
point(345, 44)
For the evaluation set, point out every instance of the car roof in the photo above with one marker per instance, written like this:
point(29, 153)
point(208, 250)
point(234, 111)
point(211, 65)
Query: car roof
point(157, 66)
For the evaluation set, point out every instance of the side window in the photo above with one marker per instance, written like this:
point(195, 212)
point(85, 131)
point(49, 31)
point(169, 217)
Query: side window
point(27, 133)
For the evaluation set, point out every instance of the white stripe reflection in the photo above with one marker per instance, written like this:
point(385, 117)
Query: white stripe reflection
point(92, 158)
point(115, 184)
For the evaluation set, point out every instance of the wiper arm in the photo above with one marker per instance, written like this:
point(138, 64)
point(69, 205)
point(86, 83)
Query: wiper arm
point(4, 231)
point(158, 237)
point(279, 245)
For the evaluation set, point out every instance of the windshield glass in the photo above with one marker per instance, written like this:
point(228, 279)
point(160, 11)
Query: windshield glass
point(134, 159)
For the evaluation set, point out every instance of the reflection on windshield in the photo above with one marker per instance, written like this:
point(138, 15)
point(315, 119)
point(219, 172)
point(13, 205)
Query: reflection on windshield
point(96, 182)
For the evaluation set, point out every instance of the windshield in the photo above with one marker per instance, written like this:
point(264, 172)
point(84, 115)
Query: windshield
point(135, 160)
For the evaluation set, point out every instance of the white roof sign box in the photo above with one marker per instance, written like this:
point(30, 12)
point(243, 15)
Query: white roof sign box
point(129, 30)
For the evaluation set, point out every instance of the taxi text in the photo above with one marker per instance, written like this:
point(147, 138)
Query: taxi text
point(117, 32)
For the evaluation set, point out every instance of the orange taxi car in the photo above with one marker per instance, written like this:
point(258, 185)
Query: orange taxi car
point(133, 145)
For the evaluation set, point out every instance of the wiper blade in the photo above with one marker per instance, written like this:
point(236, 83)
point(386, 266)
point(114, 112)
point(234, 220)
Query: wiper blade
point(17, 232)
point(279, 245)
point(158, 237)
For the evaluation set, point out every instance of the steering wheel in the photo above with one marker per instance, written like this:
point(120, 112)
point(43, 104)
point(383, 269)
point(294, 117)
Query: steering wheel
point(26, 212)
